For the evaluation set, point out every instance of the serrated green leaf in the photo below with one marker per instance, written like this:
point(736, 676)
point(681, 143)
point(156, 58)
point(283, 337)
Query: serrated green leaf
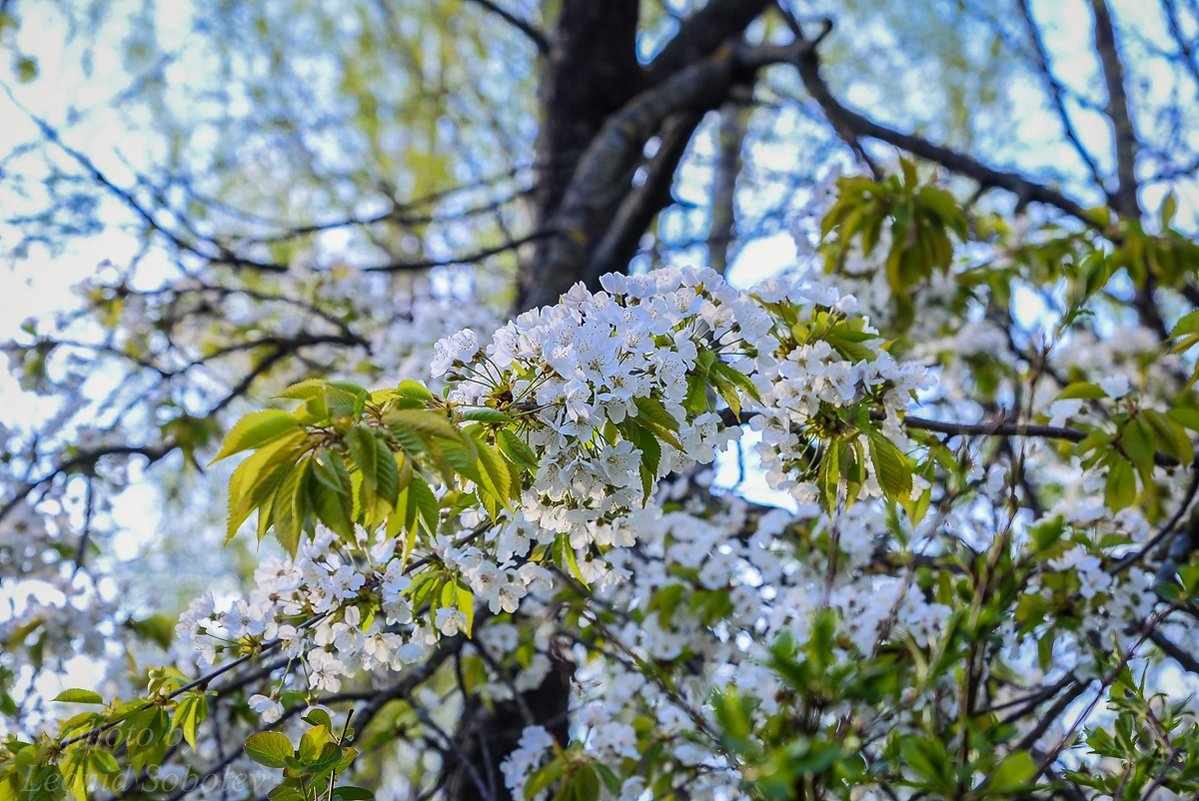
point(361, 444)
point(257, 478)
point(494, 474)
point(290, 507)
point(304, 390)
point(414, 390)
point(652, 410)
point(387, 475)
point(517, 450)
point(428, 514)
point(890, 466)
point(255, 430)
point(485, 415)
point(424, 422)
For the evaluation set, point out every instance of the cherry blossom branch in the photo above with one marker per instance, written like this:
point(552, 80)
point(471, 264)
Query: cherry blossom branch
point(266, 647)
point(377, 699)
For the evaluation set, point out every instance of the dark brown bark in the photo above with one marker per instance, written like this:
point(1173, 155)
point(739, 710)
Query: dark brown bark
point(599, 110)
point(591, 71)
point(734, 118)
point(485, 736)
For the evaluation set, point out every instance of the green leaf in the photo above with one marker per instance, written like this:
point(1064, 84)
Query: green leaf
point(387, 475)
point(890, 466)
point(348, 792)
point(464, 602)
point(652, 410)
point(332, 510)
point(304, 390)
point(568, 558)
point(611, 780)
point(517, 450)
point(104, 762)
point(494, 473)
point(1121, 487)
point(484, 415)
point(414, 390)
point(77, 696)
point(361, 443)
point(318, 717)
point(586, 784)
point(1138, 443)
point(191, 711)
point(1185, 417)
point(1082, 389)
point(927, 758)
point(696, 401)
point(289, 509)
point(74, 771)
point(312, 744)
point(424, 422)
point(1170, 435)
point(257, 478)
point(332, 492)
point(269, 748)
point(543, 777)
point(427, 509)
point(1012, 774)
point(257, 429)
point(286, 793)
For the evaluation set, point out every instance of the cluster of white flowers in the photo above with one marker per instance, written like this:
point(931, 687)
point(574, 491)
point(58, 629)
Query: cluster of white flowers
point(530, 752)
point(814, 375)
point(732, 595)
point(578, 373)
point(583, 369)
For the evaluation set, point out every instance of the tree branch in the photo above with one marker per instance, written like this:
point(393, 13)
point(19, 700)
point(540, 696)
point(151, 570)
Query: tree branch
point(1125, 197)
point(701, 33)
point(986, 176)
point(998, 428)
point(524, 26)
point(734, 118)
point(589, 203)
point(643, 203)
point(1186, 50)
point(466, 258)
point(1172, 650)
point(1056, 93)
